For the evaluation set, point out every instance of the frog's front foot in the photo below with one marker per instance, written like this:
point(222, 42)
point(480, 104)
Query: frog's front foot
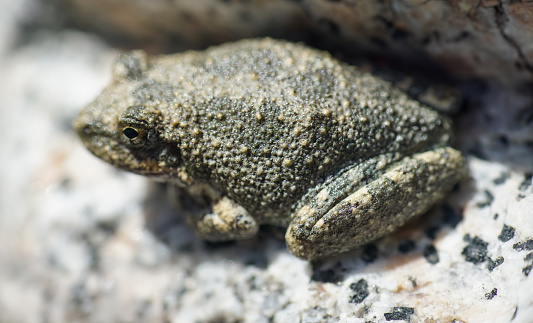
point(227, 221)
point(405, 190)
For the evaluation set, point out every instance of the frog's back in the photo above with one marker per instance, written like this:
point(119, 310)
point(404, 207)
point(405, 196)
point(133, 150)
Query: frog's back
point(265, 120)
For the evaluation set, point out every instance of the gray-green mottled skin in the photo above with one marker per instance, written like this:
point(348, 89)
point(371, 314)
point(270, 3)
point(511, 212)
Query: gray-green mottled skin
point(270, 132)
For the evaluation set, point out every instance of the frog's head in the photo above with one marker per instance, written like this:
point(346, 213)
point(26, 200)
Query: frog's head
point(125, 130)
point(130, 140)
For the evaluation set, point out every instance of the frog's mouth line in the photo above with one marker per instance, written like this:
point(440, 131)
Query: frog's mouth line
point(159, 164)
point(163, 174)
point(149, 173)
point(175, 175)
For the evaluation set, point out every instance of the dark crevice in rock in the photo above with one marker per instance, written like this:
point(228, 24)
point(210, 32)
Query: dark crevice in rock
point(500, 16)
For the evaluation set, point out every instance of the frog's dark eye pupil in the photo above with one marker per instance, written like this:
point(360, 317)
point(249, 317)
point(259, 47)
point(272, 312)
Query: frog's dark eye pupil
point(130, 133)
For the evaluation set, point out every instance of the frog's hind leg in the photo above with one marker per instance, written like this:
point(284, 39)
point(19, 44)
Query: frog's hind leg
point(407, 189)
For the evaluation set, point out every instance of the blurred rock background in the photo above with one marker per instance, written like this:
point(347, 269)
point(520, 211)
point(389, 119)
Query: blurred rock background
point(486, 38)
point(83, 242)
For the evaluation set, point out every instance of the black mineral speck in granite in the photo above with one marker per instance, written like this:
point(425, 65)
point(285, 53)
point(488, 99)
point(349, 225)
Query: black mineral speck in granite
point(527, 269)
point(361, 291)
point(431, 232)
point(506, 234)
point(326, 275)
point(491, 294)
point(495, 217)
point(494, 263)
point(520, 246)
point(502, 178)
point(400, 313)
point(431, 254)
point(451, 217)
point(526, 182)
point(476, 251)
point(107, 226)
point(528, 259)
point(370, 253)
point(488, 200)
point(406, 246)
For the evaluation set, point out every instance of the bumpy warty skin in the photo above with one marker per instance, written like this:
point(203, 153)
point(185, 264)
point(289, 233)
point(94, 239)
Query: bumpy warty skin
point(261, 121)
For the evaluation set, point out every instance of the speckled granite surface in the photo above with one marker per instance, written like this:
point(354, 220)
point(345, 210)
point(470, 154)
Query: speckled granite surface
point(82, 242)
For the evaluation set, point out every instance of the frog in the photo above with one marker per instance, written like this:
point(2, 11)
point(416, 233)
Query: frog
point(265, 132)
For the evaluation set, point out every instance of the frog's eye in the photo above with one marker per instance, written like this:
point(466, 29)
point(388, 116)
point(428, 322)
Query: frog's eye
point(138, 128)
point(130, 133)
point(135, 134)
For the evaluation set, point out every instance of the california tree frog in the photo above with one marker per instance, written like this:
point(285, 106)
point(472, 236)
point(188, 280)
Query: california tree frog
point(271, 132)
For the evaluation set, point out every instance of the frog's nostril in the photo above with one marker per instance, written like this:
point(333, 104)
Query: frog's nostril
point(86, 125)
point(83, 129)
point(86, 130)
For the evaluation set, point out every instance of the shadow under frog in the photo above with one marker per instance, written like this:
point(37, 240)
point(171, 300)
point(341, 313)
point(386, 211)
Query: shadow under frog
point(165, 213)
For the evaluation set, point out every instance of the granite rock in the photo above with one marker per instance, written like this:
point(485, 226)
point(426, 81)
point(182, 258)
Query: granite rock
point(83, 242)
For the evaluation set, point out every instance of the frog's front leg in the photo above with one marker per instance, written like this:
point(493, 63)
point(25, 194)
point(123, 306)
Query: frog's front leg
point(227, 221)
point(213, 216)
point(404, 190)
